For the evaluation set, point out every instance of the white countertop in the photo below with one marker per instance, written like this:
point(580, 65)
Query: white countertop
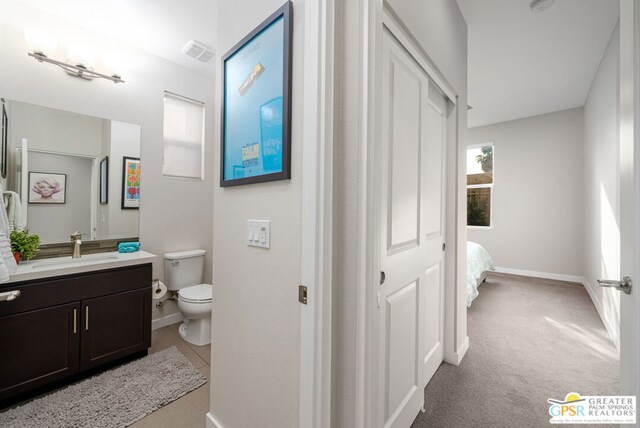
point(59, 266)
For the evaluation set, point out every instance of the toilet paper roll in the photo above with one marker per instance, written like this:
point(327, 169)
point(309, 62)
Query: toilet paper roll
point(159, 290)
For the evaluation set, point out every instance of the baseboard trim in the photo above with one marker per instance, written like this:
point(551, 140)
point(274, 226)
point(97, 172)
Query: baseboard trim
point(167, 320)
point(456, 357)
point(536, 274)
point(611, 329)
point(213, 422)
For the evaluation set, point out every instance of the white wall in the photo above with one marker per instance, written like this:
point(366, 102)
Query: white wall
point(102, 223)
point(184, 205)
point(53, 130)
point(440, 29)
point(256, 314)
point(125, 141)
point(55, 222)
point(601, 187)
point(537, 193)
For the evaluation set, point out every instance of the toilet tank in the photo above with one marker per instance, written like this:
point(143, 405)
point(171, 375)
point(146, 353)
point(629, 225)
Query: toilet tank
point(183, 268)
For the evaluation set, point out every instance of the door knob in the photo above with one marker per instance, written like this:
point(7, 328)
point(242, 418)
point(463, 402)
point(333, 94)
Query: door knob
point(624, 285)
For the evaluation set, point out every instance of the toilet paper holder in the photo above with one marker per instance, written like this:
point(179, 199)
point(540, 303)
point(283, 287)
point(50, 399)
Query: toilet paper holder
point(159, 290)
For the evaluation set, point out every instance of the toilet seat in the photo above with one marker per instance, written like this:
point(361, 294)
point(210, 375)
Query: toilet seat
point(201, 293)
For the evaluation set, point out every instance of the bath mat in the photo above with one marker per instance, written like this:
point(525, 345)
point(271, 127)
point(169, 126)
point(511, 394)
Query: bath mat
point(116, 398)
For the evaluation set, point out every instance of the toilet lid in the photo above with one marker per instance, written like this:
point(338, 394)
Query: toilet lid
point(196, 293)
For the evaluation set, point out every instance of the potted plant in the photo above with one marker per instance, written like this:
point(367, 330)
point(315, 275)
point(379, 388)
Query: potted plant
point(486, 159)
point(23, 245)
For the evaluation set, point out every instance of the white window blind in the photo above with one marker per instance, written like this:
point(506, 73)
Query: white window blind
point(183, 136)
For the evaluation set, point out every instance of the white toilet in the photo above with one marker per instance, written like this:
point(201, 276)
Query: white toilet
point(183, 273)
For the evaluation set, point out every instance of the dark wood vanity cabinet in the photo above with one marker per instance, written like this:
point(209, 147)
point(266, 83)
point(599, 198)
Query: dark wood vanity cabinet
point(64, 326)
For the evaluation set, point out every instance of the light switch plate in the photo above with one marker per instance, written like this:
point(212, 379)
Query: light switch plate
point(259, 233)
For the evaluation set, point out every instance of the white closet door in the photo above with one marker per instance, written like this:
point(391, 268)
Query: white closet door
point(434, 233)
point(412, 229)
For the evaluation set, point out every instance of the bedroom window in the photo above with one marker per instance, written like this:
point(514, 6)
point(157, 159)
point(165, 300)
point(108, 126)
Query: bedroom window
point(479, 184)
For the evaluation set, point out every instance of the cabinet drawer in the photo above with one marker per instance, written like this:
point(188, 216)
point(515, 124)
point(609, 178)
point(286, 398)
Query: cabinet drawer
point(39, 294)
point(115, 281)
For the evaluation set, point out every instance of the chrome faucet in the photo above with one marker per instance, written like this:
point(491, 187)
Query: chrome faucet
point(76, 236)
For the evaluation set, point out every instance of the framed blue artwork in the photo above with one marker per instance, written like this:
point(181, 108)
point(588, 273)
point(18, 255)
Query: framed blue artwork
point(256, 114)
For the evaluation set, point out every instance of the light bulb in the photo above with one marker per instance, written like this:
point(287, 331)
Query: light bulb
point(40, 41)
point(114, 64)
point(81, 53)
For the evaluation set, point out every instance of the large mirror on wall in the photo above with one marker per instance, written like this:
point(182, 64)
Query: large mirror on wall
point(68, 172)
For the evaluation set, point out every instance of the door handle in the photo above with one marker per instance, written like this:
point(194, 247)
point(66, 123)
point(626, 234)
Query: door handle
point(75, 321)
point(7, 296)
point(625, 285)
point(383, 277)
point(86, 317)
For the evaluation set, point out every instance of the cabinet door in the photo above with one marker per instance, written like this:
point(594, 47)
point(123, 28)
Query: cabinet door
point(115, 326)
point(38, 347)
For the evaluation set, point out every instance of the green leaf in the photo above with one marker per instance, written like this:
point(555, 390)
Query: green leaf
point(25, 244)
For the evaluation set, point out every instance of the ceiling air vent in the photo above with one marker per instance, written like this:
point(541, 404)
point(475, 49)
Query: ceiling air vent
point(541, 5)
point(198, 50)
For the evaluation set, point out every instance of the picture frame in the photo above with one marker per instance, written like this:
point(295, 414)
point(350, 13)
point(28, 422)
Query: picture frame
point(4, 159)
point(130, 183)
point(48, 188)
point(103, 191)
point(256, 113)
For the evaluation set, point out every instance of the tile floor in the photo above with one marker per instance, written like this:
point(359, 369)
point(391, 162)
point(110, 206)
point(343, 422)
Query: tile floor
point(188, 411)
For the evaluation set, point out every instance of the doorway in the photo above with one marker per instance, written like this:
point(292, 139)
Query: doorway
point(415, 144)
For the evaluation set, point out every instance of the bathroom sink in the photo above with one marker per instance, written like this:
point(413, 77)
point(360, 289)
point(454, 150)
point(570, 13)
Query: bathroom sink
point(64, 261)
point(49, 268)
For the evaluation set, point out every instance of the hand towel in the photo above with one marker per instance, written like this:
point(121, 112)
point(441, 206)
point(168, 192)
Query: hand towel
point(8, 264)
point(128, 247)
point(15, 213)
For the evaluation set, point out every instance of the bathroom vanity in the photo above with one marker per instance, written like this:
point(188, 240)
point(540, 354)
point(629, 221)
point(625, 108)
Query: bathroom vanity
point(72, 316)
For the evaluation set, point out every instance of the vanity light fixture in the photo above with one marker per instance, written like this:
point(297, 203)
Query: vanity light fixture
point(79, 70)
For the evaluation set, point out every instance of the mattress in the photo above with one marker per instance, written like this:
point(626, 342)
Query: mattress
point(479, 261)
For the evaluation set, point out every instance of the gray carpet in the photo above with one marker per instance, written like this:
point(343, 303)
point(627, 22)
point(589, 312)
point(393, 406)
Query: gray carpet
point(116, 398)
point(530, 340)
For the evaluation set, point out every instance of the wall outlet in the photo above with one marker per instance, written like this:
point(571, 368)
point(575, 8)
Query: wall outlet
point(259, 233)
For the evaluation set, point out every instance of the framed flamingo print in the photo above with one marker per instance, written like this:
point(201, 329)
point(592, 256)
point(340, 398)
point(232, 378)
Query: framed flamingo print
point(47, 188)
point(130, 183)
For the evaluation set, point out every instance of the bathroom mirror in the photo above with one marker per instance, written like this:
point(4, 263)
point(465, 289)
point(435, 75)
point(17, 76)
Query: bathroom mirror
point(70, 172)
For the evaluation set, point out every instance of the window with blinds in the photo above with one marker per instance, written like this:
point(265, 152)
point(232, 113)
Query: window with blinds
point(183, 136)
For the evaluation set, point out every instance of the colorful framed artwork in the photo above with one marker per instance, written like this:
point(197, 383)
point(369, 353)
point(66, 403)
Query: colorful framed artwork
point(104, 181)
point(47, 188)
point(130, 183)
point(256, 114)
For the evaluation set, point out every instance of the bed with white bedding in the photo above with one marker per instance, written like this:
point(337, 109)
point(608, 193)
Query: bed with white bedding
point(479, 261)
